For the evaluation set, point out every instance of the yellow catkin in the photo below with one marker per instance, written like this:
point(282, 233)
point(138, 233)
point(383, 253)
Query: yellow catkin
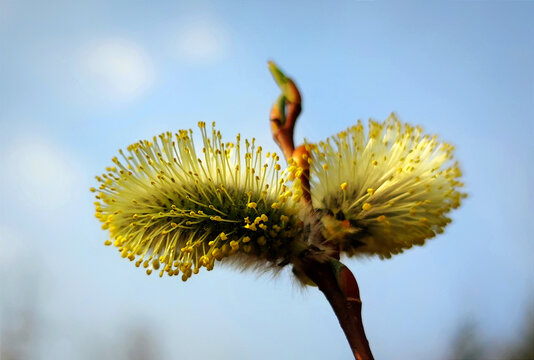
point(396, 173)
point(171, 207)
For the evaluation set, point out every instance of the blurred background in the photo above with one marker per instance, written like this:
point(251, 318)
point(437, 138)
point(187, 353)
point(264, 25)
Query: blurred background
point(79, 80)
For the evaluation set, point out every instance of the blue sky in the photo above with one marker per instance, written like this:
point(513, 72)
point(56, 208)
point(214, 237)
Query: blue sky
point(79, 80)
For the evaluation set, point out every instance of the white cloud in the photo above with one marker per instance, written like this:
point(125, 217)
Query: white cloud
point(38, 174)
point(116, 68)
point(200, 40)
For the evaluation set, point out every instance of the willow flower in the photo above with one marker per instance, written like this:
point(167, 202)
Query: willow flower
point(170, 209)
point(376, 193)
point(384, 190)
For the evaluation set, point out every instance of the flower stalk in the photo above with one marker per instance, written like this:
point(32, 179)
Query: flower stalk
point(340, 288)
point(333, 279)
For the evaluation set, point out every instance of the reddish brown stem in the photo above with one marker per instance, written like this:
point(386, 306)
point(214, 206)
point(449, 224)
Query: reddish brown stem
point(346, 304)
point(282, 125)
point(335, 280)
point(301, 158)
